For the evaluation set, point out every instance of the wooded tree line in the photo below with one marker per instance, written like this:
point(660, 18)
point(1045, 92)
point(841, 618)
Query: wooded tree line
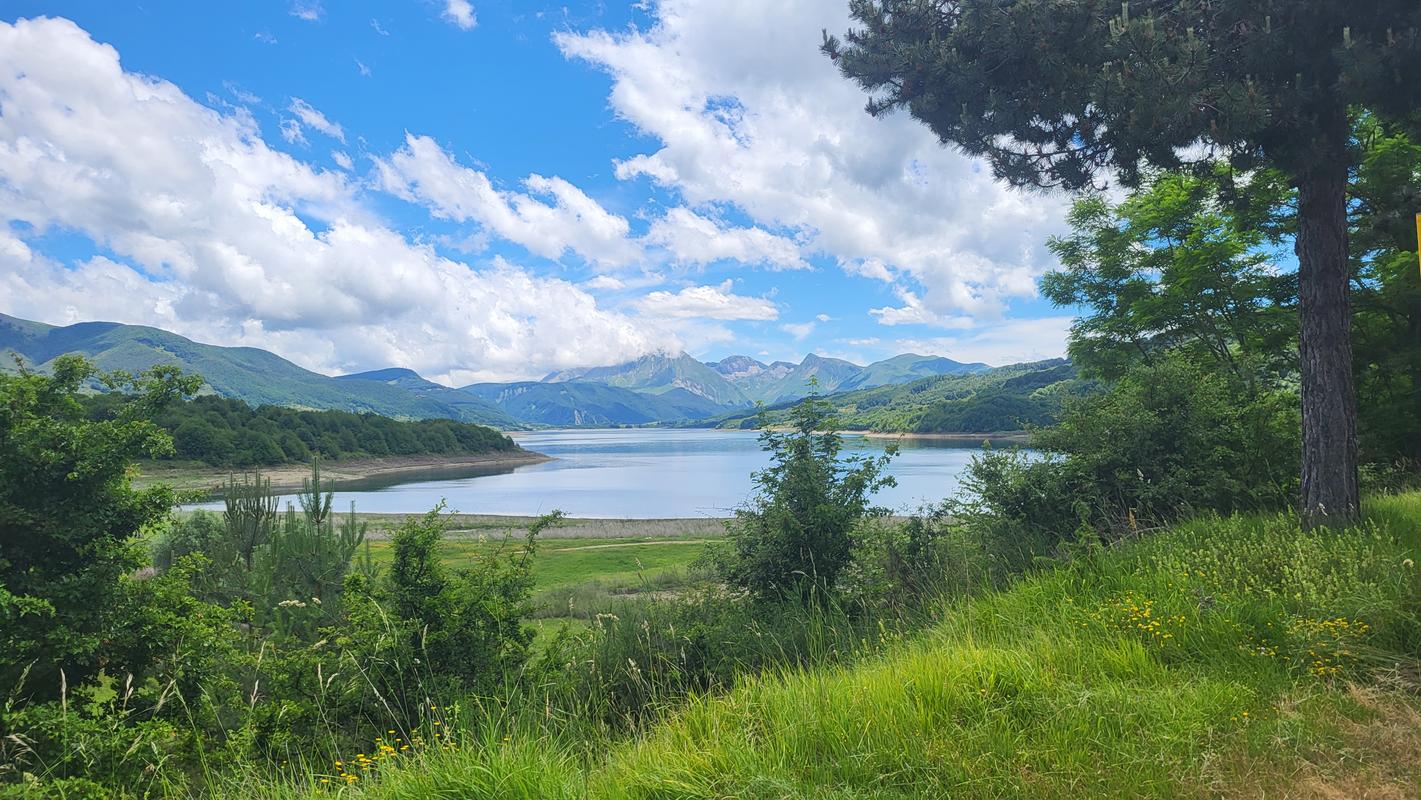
point(229, 433)
point(1193, 266)
point(1079, 95)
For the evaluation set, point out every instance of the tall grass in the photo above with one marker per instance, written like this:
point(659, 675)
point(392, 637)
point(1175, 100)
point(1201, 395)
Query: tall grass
point(1190, 663)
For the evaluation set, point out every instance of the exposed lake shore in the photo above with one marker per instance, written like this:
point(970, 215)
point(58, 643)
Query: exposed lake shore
point(1004, 437)
point(288, 477)
point(496, 526)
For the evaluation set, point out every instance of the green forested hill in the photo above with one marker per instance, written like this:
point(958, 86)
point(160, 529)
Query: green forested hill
point(907, 368)
point(243, 373)
point(229, 433)
point(1001, 399)
point(580, 403)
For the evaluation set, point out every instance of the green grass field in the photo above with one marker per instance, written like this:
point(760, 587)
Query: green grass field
point(578, 578)
point(1237, 657)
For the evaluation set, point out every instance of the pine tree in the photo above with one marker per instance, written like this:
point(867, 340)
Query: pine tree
point(1058, 93)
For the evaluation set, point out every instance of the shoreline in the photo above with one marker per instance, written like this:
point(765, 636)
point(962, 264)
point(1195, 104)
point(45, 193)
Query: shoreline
point(500, 526)
point(1007, 437)
point(1013, 437)
point(288, 477)
point(472, 527)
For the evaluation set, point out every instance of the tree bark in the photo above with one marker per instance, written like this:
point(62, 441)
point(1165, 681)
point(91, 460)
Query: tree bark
point(1330, 493)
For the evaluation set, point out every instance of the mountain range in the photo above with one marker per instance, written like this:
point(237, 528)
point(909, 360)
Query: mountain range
point(253, 376)
point(657, 388)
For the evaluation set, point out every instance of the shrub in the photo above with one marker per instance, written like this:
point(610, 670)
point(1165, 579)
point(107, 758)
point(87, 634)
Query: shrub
point(197, 532)
point(467, 624)
point(68, 516)
point(902, 565)
point(796, 535)
point(1165, 441)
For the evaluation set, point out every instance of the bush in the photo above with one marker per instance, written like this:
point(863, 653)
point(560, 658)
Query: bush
point(197, 532)
point(904, 565)
point(796, 535)
point(1166, 441)
point(467, 624)
point(644, 658)
point(68, 516)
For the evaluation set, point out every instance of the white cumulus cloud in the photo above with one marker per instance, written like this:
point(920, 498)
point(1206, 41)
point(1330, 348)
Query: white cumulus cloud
point(749, 113)
point(210, 232)
point(693, 239)
point(551, 218)
point(707, 302)
point(461, 14)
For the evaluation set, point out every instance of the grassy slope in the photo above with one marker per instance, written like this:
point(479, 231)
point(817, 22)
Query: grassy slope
point(1195, 663)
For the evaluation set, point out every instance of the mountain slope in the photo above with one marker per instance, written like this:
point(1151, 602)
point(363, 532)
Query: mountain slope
point(783, 381)
point(659, 373)
point(1000, 399)
point(750, 375)
point(907, 368)
point(242, 373)
point(824, 374)
point(469, 408)
point(590, 404)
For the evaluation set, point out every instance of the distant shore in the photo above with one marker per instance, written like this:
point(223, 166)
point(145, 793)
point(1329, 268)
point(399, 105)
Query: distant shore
point(1005, 437)
point(1010, 437)
point(496, 526)
point(288, 477)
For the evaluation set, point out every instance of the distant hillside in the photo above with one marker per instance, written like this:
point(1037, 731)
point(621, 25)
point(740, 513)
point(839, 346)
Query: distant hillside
point(659, 373)
point(242, 373)
point(905, 392)
point(222, 432)
point(589, 404)
point(468, 407)
point(907, 368)
point(1000, 399)
point(783, 381)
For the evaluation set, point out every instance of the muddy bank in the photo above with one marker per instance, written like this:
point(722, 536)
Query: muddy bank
point(288, 477)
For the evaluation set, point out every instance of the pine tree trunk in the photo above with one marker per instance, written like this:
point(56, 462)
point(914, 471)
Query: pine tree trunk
point(1330, 494)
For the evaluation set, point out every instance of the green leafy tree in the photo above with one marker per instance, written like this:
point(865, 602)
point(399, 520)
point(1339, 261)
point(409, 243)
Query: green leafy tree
point(1185, 264)
point(797, 534)
point(68, 516)
point(1387, 291)
point(1058, 94)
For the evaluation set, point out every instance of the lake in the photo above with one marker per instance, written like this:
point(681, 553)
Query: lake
point(644, 474)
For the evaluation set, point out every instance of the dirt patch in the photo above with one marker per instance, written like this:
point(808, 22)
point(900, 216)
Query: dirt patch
point(624, 544)
point(288, 477)
point(492, 526)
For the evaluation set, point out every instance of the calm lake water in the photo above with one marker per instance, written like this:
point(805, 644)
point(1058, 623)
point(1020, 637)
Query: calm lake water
point(644, 473)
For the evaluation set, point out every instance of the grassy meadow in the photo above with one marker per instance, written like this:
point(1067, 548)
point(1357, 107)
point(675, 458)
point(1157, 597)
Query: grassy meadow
point(576, 578)
point(1226, 657)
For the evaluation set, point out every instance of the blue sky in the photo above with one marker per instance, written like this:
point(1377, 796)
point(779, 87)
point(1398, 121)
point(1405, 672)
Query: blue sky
point(485, 190)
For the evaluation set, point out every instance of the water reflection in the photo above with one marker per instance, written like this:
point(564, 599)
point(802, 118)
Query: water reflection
point(643, 473)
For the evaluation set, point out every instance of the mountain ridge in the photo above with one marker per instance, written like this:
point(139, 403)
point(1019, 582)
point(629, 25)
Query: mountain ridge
point(254, 376)
point(658, 388)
